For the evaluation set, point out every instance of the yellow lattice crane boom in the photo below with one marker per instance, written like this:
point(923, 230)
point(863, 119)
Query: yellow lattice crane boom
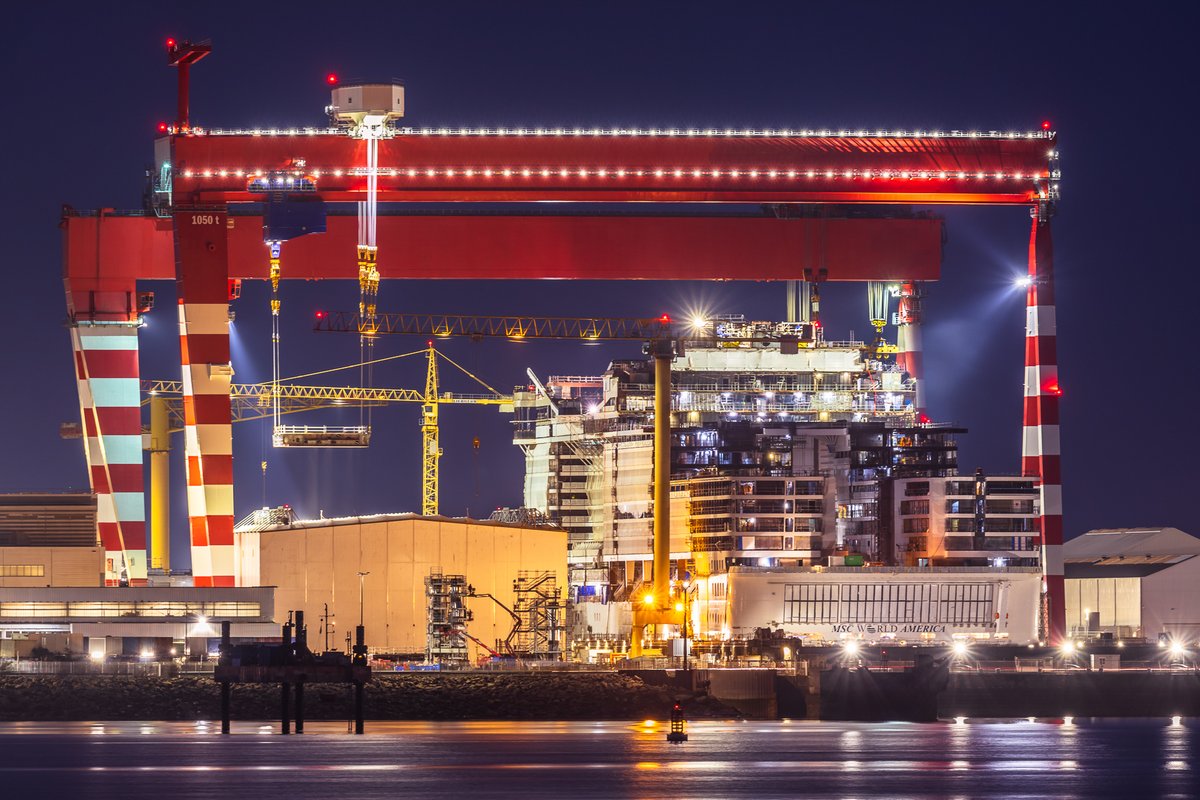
point(258, 401)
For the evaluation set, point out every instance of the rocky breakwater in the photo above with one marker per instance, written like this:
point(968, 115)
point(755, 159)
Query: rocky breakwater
point(390, 696)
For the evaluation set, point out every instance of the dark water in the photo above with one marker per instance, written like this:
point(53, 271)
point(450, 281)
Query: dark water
point(1148, 758)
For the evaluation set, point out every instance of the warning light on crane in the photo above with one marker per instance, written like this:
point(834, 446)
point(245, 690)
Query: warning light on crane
point(1046, 125)
point(320, 315)
point(331, 79)
point(162, 127)
point(665, 319)
point(170, 44)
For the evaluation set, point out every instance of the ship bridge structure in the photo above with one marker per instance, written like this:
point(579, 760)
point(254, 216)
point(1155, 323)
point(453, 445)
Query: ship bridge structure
point(366, 198)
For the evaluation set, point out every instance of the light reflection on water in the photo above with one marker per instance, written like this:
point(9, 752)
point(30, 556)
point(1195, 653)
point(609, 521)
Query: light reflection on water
point(1044, 758)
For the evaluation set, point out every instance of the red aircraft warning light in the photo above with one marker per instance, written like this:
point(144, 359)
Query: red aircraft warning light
point(1046, 125)
point(331, 79)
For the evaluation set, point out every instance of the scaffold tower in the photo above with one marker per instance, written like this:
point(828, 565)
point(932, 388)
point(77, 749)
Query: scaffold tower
point(539, 606)
point(447, 617)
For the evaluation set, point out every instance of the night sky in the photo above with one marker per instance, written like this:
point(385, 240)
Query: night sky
point(88, 84)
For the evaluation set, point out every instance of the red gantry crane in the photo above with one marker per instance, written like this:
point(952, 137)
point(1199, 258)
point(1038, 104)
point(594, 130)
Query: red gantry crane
point(350, 200)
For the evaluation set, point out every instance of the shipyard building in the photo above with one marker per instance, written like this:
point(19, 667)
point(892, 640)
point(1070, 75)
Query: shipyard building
point(789, 455)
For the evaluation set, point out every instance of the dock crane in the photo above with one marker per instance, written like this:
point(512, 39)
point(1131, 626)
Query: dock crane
point(251, 401)
point(662, 338)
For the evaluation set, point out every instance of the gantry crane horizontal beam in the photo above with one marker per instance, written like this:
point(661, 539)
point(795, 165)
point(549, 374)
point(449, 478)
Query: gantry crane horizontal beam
point(105, 254)
point(521, 165)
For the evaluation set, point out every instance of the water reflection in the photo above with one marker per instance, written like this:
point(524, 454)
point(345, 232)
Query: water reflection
point(1057, 758)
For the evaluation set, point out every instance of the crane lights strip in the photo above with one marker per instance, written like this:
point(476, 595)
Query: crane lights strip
point(726, 133)
point(303, 180)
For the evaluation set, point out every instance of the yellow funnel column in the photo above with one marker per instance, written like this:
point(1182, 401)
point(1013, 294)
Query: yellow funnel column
point(160, 484)
point(662, 473)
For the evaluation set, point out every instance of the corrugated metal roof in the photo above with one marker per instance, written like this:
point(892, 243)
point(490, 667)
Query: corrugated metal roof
point(1131, 546)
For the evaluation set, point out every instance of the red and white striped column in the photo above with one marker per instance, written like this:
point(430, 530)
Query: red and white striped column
point(909, 356)
point(1041, 455)
point(203, 287)
point(107, 378)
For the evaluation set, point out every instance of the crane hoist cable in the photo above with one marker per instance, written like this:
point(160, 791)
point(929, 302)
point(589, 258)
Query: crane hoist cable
point(275, 274)
point(368, 270)
point(355, 365)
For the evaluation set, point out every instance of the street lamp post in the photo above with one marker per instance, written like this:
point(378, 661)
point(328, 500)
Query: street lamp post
point(361, 579)
point(328, 622)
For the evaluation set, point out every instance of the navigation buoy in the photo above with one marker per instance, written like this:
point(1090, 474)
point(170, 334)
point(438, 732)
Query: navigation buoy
point(678, 734)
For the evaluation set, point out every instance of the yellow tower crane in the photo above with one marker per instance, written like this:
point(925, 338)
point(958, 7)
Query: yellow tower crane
point(431, 448)
point(251, 401)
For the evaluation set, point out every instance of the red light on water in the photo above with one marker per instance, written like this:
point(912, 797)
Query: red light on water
point(331, 79)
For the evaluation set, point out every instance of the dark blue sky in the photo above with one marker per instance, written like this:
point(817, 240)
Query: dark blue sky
point(88, 84)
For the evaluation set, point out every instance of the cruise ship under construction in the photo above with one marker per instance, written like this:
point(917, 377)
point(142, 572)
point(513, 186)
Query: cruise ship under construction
point(810, 495)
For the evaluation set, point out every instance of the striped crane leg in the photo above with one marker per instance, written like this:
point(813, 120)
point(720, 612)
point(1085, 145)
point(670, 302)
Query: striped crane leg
point(106, 369)
point(202, 273)
point(1040, 452)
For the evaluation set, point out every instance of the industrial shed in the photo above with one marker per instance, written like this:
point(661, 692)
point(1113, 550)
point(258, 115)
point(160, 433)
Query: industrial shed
point(1134, 583)
point(315, 562)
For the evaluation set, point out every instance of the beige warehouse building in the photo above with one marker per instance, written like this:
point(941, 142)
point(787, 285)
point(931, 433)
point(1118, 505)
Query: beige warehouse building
point(315, 562)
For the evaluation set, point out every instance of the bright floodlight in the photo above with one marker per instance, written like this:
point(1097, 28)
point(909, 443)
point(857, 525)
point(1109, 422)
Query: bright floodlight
point(698, 322)
point(1023, 282)
point(201, 620)
point(1176, 648)
point(960, 648)
point(850, 648)
point(1068, 648)
point(648, 599)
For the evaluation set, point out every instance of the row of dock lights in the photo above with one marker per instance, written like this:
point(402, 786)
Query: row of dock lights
point(147, 654)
